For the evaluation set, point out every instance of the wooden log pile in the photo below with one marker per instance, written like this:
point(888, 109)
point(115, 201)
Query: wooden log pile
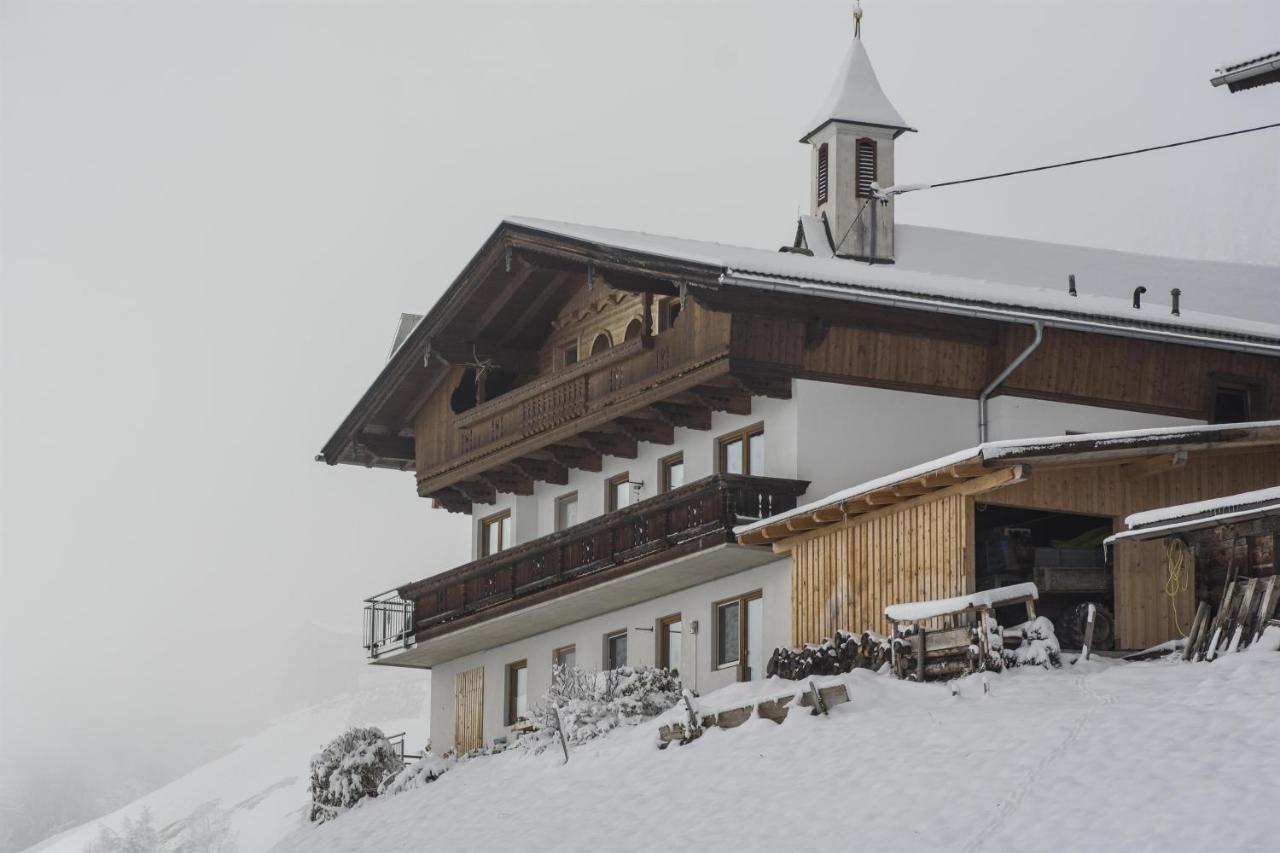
point(1246, 607)
point(819, 700)
point(833, 656)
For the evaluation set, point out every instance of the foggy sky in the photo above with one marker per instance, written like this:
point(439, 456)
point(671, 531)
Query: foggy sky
point(213, 213)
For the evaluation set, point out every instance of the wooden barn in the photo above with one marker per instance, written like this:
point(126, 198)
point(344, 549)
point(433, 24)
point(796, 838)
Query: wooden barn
point(1018, 510)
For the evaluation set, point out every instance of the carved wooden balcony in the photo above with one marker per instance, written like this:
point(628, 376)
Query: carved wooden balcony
point(682, 521)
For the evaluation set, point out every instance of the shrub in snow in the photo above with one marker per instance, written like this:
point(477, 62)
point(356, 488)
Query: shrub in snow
point(415, 775)
point(1039, 646)
point(589, 704)
point(833, 656)
point(135, 836)
point(353, 766)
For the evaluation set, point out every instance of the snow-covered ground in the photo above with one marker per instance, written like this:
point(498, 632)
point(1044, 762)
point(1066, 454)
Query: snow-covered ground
point(1104, 755)
point(262, 783)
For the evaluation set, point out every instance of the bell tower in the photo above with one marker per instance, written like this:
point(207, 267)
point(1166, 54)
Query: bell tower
point(852, 140)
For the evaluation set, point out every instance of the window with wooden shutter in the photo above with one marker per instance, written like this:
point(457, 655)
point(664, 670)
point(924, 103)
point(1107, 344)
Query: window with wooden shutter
point(822, 173)
point(865, 166)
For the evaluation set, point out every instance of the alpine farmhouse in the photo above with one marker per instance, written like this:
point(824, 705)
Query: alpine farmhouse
point(645, 431)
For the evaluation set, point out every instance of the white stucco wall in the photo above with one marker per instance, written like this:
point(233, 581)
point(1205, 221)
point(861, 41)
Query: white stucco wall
point(695, 603)
point(1022, 417)
point(848, 434)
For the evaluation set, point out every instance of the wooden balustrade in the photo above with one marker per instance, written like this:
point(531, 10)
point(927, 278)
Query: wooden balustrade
point(694, 516)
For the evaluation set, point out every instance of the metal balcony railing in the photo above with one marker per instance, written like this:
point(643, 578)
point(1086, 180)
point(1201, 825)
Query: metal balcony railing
point(388, 623)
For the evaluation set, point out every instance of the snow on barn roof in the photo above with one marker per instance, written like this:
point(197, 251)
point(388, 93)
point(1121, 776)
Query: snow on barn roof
point(1157, 523)
point(1234, 306)
point(856, 96)
point(1015, 450)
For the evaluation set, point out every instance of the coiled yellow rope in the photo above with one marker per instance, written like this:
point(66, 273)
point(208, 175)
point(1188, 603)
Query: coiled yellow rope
point(1177, 580)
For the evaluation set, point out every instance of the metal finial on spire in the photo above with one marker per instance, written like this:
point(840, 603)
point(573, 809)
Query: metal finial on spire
point(857, 19)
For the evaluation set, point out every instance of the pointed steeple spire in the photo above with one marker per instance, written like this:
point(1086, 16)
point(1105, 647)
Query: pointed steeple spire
point(856, 96)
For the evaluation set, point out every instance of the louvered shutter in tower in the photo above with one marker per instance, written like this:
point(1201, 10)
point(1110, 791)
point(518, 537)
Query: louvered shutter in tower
point(822, 173)
point(865, 166)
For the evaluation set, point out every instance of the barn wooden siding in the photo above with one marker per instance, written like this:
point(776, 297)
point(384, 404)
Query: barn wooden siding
point(844, 576)
point(468, 710)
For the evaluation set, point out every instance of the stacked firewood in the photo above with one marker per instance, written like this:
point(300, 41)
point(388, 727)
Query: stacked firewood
point(834, 655)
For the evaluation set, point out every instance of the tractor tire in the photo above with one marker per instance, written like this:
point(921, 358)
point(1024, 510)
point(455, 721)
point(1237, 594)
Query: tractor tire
point(1071, 627)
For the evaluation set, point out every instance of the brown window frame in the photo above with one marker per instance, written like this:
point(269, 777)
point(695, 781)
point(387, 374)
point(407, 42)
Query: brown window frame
point(513, 670)
point(558, 652)
point(610, 635)
point(664, 470)
point(562, 353)
point(486, 523)
point(745, 435)
point(740, 600)
point(664, 640)
point(561, 501)
point(610, 493)
point(1249, 387)
point(822, 176)
point(860, 190)
point(666, 306)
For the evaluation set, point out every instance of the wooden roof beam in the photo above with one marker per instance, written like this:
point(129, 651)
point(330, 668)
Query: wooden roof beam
point(644, 429)
point(1163, 464)
point(684, 415)
point(572, 456)
point(611, 444)
point(477, 492)
point(508, 481)
point(542, 470)
point(451, 500)
point(461, 353)
point(515, 281)
point(719, 398)
point(386, 446)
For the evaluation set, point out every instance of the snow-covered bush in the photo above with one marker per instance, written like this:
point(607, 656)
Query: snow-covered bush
point(422, 772)
point(590, 704)
point(135, 836)
point(1039, 646)
point(352, 767)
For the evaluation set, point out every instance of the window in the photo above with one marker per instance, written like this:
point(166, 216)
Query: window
point(615, 649)
point(668, 311)
point(669, 634)
point(671, 472)
point(1230, 404)
point(601, 343)
point(822, 173)
point(618, 491)
point(742, 452)
point(635, 329)
point(566, 657)
point(739, 637)
point(517, 692)
point(568, 354)
point(865, 167)
point(495, 533)
point(566, 511)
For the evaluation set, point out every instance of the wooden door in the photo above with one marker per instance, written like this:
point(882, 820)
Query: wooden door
point(468, 710)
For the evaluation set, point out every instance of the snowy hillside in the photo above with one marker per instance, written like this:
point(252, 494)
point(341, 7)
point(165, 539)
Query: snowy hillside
point(261, 785)
point(1105, 755)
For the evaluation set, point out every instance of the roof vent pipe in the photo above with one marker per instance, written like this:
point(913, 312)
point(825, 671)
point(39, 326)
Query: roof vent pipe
point(1071, 284)
point(1137, 296)
point(1176, 293)
point(1004, 374)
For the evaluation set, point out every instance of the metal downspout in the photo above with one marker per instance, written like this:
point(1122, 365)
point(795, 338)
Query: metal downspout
point(1004, 374)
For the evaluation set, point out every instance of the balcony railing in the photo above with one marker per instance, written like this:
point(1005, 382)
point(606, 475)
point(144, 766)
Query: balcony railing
point(388, 623)
point(687, 519)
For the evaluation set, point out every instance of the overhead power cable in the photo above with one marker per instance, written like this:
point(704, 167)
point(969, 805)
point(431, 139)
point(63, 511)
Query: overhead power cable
point(906, 188)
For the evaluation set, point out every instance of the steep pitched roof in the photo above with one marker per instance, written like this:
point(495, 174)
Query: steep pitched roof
point(1225, 305)
point(856, 96)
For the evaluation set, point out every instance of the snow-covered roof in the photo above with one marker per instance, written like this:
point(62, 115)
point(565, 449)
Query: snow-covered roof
point(1223, 304)
point(1245, 63)
point(1015, 449)
point(916, 611)
point(1156, 523)
point(856, 96)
